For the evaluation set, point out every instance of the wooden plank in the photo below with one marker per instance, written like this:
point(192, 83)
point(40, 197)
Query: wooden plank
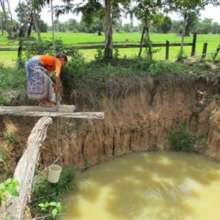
point(25, 170)
point(60, 108)
point(85, 115)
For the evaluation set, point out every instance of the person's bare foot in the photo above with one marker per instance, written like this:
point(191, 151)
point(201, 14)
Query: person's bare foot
point(47, 104)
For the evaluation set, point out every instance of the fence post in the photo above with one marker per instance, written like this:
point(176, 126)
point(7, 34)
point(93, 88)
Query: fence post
point(193, 52)
point(167, 50)
point(216, 53)
point(204, 51)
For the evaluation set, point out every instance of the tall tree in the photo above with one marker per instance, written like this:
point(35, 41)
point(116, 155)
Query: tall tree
point(191, 21)
point(108, 29)
point(2, 23)
point(9, 10)
point(186, 8)
point(52, 24)
point(146, 11)
point(162, 23)
point(28, 18)
point(106, 10)
point(7, 25)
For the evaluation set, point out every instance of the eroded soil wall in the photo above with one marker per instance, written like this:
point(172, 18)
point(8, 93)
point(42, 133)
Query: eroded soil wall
point(137, 118)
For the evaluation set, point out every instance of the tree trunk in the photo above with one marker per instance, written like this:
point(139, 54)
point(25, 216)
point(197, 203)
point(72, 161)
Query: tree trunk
point(30, 26)
point(52, 23)
point(2, 25)
point(36, 25)
point(180, 57)
point(6, 24)
point(9, 11)
point(131, 19)
point(149, 52)
point(187, 27)
point(141, 41)
point(108, 30)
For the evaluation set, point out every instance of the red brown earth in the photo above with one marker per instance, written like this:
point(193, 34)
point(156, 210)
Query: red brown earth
point(138, 119)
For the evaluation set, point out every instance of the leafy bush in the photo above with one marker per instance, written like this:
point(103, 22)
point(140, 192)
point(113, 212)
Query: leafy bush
point(8, 188)
point(52, 209)
point(99, 55)
point(163, 67)
point(33, 48)
point(181, 139)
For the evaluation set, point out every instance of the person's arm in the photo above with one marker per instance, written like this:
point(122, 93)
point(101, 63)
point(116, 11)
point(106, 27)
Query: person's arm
point(58, 85)
point(58, 67)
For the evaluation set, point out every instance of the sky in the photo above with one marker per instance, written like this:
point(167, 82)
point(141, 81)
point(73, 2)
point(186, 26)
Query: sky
point(209, 12)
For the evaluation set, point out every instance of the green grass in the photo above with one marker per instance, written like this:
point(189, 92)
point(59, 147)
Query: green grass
point(12, 82)
point(79, 38)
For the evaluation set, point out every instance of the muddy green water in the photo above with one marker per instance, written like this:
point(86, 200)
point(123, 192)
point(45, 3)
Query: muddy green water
point(148, 186)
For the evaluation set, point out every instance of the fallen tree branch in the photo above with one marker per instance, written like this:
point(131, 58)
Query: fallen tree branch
point(25, 169)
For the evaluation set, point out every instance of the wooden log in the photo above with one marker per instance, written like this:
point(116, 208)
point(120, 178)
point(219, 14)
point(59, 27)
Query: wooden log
point(25, 169)
point(85, 115)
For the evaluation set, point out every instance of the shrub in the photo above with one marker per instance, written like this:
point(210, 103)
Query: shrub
point(52, 209)
point(99, 55)
point(43, 191)
point(9, 187)
point(46, 47)
point(164, 67)
point(10, 137)
point(181, 139)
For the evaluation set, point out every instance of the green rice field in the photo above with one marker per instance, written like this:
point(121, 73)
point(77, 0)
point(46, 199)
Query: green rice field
point(8, 58)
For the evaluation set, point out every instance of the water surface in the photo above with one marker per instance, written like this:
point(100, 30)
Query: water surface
point(148, 186)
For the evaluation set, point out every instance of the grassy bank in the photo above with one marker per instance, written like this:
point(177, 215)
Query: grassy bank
point(84, 77)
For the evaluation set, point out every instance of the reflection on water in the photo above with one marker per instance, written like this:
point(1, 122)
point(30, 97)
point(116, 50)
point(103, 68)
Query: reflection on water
point(148, 186)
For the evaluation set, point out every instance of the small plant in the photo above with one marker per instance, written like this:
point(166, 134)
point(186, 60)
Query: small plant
point(99, 56)
point(116, 53)
point(181, 139)
point(10, 137)
point(8, 188)
point(53, 209)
